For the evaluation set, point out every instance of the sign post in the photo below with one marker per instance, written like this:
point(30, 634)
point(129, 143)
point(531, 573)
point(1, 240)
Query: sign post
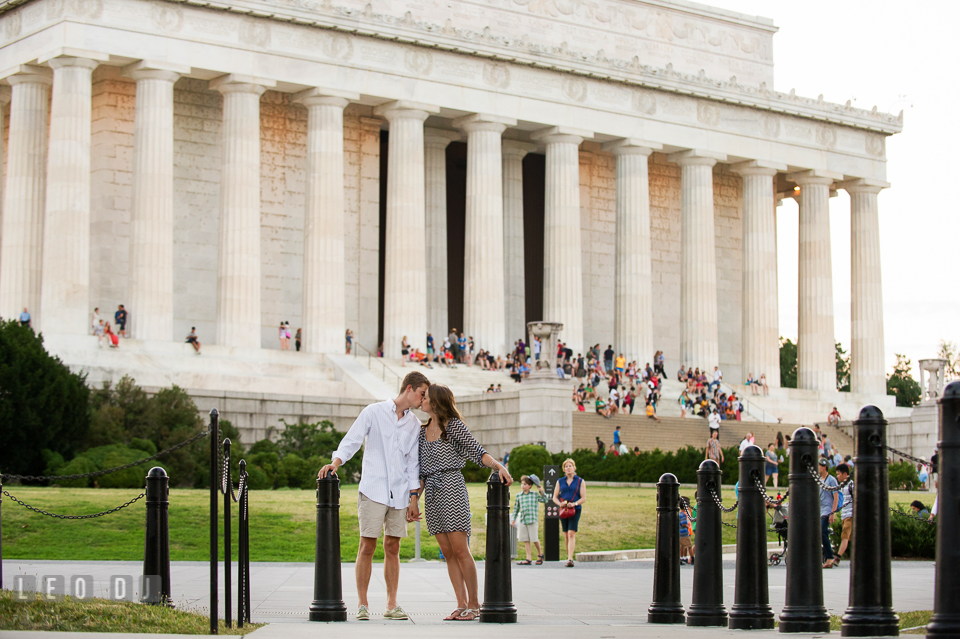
point(551, 523)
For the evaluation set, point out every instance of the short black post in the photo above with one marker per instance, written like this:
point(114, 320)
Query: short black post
point(870, 610)
point(946, 614)
point(243, 593)
point(497, 604)
point(156, 553)
point(327, 583)
point(803, 610)
point(706, 607)
point(751, 596)
point(551, 538)
point(226, 487)
point(666, 606)
point(1, 534)
point(214, 513)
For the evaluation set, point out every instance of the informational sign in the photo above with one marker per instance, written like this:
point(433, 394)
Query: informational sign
point(550, 476)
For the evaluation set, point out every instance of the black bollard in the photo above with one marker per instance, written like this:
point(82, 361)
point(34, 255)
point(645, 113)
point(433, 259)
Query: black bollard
point(870, 610)
point(751, 596)
point(497, 581)
point(156, 554)
point(803, 610)
point(706, 607)
point(214, 513)
point(226, 488)
point(946, 615)
point(666, 606)
point(327, 583)
point(243, 542)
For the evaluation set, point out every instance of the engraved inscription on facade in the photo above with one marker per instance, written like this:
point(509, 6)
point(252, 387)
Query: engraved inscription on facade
point(496, 75)
point(417, 61)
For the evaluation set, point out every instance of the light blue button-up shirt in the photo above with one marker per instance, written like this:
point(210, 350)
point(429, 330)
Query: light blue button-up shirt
point(391, 462)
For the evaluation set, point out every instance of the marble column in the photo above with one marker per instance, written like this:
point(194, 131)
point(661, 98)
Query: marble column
point(404, 308)
point(65, 279)
point(514, 270)
point(562, 266)
point(816, 348)
point(238, 266)
point(483, 286)
point(699, 330)
point(866, 294)
point(760, 338)
point(324, 296)
point(435, 143)
point(633, 286)
point(21, 246)
point(151, 213)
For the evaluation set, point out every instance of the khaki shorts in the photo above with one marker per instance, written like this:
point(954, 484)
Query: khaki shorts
point(376, 518)
point(847, 528)
point(528, 532)
point(685, 542)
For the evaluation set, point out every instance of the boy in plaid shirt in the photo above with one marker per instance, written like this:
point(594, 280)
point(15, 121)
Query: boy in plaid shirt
point(525, 512)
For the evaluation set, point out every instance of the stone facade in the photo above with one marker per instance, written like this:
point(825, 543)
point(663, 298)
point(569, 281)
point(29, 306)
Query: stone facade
point(699, 107)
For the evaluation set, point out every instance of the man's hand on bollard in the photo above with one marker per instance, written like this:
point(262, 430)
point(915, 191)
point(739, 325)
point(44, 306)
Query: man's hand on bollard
point(329, 468)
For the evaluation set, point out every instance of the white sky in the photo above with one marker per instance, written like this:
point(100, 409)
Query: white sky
point(897, 56)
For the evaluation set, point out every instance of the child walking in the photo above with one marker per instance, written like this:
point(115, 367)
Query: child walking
point(526, 511)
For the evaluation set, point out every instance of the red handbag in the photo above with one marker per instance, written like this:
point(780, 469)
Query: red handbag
point(567, 513)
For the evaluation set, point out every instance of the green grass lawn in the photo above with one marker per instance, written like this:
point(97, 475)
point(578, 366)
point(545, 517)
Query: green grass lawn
point(102, 615)
point(282, 524)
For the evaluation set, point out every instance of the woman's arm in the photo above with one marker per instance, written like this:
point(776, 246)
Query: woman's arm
point(556, 493)
point(489, 462)
point(583, 493)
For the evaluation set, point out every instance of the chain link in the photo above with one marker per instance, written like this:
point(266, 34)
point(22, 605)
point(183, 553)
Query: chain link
point(101, 514)
point(106, 471)
point(716, 498)
point(225, 478)
point(768, 498)
point(906, 456)
point(909, 516)
point(822, 483)
point(728, 525)
point(243, 493)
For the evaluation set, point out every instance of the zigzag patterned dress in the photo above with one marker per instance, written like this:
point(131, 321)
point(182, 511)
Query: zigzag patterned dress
point(446, 503)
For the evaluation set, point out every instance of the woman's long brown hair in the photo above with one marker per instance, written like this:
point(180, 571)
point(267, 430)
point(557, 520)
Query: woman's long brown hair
point(444, 407)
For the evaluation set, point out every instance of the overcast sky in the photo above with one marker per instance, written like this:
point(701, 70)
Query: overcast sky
point(895, 56)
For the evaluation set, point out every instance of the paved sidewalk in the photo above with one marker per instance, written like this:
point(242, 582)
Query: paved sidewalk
point(589, 601)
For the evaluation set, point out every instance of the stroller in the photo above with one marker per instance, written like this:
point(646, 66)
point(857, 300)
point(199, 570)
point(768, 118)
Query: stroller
point(779, 525)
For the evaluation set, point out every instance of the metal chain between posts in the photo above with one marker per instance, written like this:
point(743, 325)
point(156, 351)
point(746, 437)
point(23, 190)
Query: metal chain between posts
point(909, 516)
point(716, 498)
point(768, 498)
point(106, 471)
point(225, 478)
point(56, 516)
point(241, 491)
point(906, 456)
point(823, 484)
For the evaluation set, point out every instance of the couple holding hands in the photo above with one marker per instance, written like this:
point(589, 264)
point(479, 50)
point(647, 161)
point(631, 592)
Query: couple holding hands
point(405, 461)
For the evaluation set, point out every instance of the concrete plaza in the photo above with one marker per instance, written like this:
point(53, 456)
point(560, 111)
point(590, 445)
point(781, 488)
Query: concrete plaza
point(602, 600)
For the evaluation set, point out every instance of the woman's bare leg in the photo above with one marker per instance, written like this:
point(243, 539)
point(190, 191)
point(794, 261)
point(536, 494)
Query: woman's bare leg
point(467, 568)
point(453, 569)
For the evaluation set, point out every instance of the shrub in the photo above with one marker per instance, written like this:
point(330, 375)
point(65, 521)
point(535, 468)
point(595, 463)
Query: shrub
point(908, 537)
point(903, 476)
point(529, 460)
point(100, 458)
point(42, 404)
point(648, 466)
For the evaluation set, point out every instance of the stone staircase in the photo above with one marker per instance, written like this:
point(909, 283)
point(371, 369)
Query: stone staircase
point(162, 364)
point(673, 433)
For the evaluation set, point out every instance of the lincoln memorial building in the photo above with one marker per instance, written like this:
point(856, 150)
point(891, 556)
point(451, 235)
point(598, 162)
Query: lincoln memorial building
point(404, 168)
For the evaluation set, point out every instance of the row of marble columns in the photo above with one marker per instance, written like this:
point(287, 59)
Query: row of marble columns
point(44, 257)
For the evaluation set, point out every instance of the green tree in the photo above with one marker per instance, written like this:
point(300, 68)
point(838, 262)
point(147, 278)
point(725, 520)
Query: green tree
point(948, 351)
point(843, 369)
point(902, 384)
point(42, 404)
point(788, 363)
point(529, 460)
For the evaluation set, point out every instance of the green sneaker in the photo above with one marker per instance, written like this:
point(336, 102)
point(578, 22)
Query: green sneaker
point(396, 614)
point(363, 614)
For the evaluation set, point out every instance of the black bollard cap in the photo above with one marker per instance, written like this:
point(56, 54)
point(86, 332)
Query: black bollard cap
point(156, 472)
point(668, 478)
point(951, 392)
point(804, 434)
point(751, 452)
point(213, 411)
point(708, 466)
point(329, 478)
point(870, 413)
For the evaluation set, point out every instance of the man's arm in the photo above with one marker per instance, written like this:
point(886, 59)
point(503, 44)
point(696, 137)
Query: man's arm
point(349, 445)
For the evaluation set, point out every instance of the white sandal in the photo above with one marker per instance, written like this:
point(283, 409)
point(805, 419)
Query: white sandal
point(469, 611)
